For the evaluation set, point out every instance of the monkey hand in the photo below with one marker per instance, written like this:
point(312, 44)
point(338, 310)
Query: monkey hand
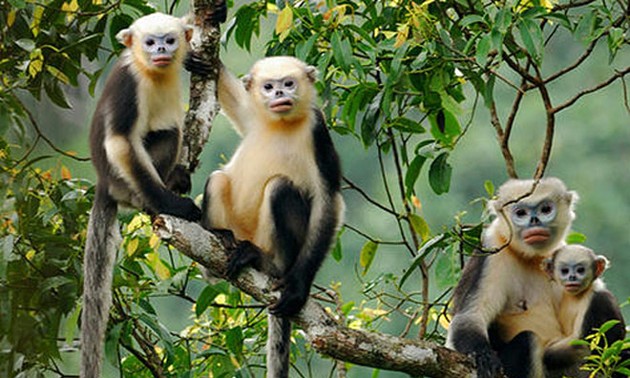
point(294, 295)
point(179, 180)
point(182, 207)
point(193, 63)
point(244, 254)
point(488, 365)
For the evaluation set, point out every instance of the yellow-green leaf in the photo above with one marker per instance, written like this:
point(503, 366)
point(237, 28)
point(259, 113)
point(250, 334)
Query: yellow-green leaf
point(132, 246)
point(284, 21)
point(420, 226)
point(58, 74)
point(367, 255)
point(158, 266)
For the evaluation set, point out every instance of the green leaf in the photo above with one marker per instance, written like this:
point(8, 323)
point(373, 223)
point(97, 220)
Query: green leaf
point(411, 176)
point(489, 187)
point(444, 127)
point(471, 19)
point(26, 44)
point(304, 48)
point(367, 255)
point(503, 20)
point(608, 325)
point(234, 340)
point(532, 37)
point(615, 41)
point(435, 242)
point(342, 51)
point(483, 48)
point(161, 331)
point(440, 174)
point(488, 93)
point(576, 238)
point(585, 28)
point(204, 299)
point(420, 226)
point(119, 22)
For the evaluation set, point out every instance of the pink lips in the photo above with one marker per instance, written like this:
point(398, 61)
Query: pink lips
point(536, 235)
point(161, 61)
point(281, 105)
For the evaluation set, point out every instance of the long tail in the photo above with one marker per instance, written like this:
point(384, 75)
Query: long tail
point(98, 263)
point(278, 346)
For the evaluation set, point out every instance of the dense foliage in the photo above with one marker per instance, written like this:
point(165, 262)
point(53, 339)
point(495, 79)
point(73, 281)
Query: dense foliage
point(395, 76)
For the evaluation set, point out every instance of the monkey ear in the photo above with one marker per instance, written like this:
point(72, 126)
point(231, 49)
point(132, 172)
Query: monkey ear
point(247, 81)
point(601, 264)
point(188, 32)
point(311, 73)
point(125, 37)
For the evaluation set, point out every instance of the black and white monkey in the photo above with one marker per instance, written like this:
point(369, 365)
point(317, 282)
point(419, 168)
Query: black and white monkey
point(281, 189)
point(584, 305)
point(504, 305)
point(135, 140)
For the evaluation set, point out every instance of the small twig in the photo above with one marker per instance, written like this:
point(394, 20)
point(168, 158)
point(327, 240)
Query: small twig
point(610, 80)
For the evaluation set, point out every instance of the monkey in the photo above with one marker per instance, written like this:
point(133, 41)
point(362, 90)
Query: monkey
point(280, 193)
point(503, 306)
point(584, 305)
point(135, 141)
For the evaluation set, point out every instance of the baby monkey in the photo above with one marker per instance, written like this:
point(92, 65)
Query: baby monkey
point(584, 305)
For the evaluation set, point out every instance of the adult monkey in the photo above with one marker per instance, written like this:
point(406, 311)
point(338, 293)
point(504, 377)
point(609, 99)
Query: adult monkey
point(135, 140)
point(504, 304)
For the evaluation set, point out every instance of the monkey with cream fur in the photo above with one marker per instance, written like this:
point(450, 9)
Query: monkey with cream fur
point(584, 305)
point(135, 140)
point(504, 305)
point(280, 192)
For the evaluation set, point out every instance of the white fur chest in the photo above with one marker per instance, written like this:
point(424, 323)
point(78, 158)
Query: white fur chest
point(159, 106)
point(265, 154)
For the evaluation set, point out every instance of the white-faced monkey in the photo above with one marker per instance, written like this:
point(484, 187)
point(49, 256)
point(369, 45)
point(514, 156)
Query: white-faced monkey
point(585, 304)
point(504, 303)
point(135, 140)
point(281, 189)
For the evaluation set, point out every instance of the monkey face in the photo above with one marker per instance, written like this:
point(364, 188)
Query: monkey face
point(535, 222)
point(160, 50)
point(280, 96)
point(575, 276)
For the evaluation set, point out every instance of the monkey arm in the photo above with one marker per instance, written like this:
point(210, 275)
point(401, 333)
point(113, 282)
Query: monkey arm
point(134, 166)
point(476, 307)
point(234, 100)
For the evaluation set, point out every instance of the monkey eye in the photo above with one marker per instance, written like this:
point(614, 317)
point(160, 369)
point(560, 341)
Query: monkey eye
point(149, 42)
point(547, 211)
point(290, 83)
point(268, 87)
point(521, 212)
point(564, 271)
point(170, 40)
point(581, 270)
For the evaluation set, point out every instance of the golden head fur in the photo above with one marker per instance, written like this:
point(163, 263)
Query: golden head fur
point(529, 193)
point(155, 24)
point(279, 68)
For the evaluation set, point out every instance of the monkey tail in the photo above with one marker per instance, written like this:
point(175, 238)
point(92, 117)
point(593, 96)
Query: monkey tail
point(278, 346)
point(98, 263)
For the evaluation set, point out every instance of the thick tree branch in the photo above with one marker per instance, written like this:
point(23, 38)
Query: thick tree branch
point(203, 100)
point(417, 358)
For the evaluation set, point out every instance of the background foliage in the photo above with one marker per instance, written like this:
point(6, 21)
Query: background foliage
point(418, 93)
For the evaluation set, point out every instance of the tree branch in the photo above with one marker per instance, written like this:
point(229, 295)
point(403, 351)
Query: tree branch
point(327, 336)
point(203, 90)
